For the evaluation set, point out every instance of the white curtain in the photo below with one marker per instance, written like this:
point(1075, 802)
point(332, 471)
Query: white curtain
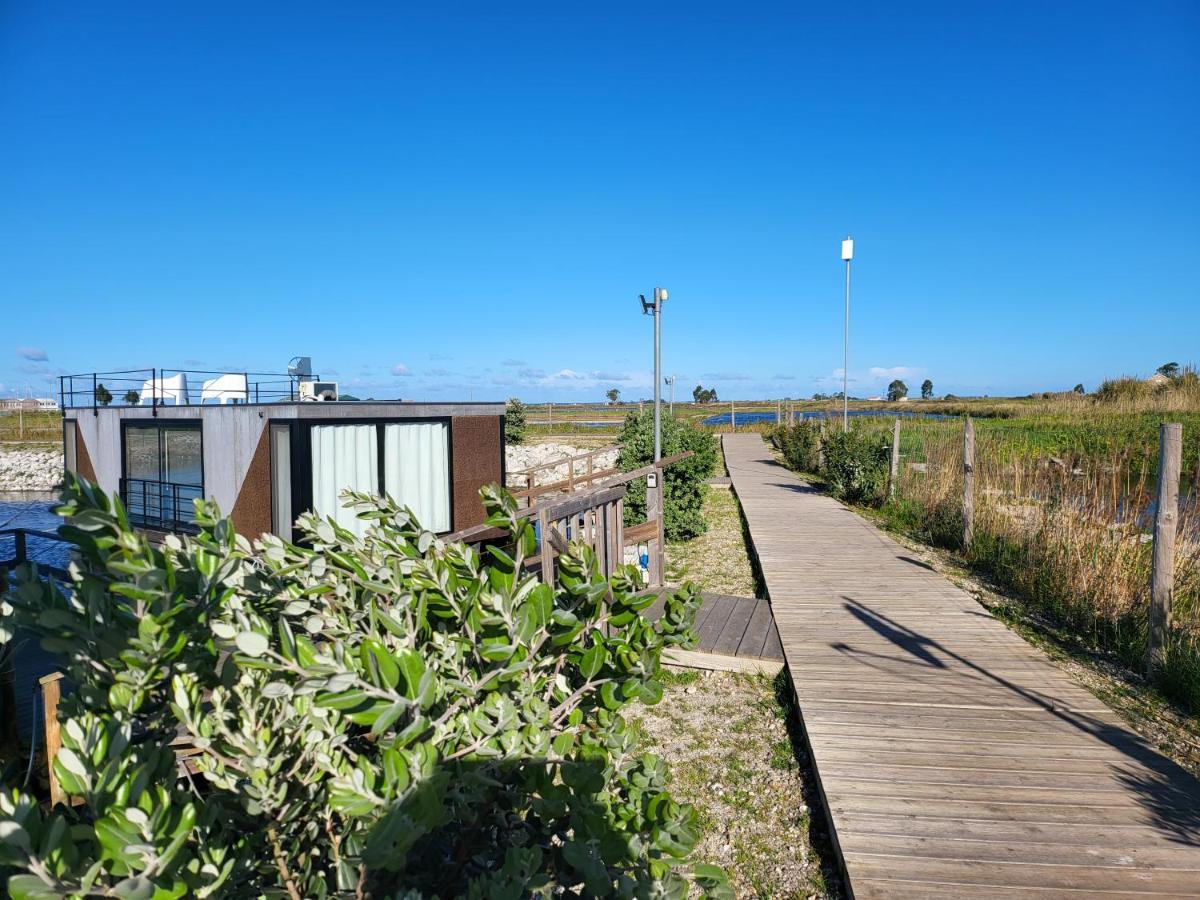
point(416, 471)
point(343, 456)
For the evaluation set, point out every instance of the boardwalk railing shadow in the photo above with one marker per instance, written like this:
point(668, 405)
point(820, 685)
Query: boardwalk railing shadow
point(1167, 791)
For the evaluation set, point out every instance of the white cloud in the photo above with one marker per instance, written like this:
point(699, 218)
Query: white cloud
point(401, 369)
point(902, 372)
point(37, 354)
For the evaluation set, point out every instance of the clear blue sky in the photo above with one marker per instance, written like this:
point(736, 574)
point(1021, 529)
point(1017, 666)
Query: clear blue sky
point(473, 195)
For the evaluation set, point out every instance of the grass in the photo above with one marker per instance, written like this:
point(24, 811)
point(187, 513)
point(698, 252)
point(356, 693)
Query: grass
point(30, 427)
point(719, 560)
point(1064, 497)
point(731, 742)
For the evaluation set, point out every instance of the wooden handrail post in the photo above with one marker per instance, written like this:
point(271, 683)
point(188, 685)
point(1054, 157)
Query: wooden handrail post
point(895, 469)
point(654, 513)
point(968, 483)
point(547, 555)
point(51, 694)
point(1162, 568)
point(732, 418)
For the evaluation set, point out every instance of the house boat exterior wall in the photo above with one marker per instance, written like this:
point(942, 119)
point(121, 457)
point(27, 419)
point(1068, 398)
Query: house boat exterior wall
point(236, 448)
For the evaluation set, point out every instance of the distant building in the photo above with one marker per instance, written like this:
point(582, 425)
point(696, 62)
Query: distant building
point(28, 404)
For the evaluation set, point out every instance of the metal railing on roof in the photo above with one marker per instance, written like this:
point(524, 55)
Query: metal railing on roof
point(174, 387)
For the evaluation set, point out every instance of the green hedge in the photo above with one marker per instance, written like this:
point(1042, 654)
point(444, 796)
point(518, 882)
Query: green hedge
point(683, 481)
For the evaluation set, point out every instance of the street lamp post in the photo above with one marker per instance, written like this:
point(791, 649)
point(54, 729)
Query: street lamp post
point(847, 255)
point(655, 309)
point(670, 380)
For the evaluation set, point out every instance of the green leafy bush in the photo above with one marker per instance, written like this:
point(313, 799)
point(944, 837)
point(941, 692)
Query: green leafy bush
point(856, 465)
point(380, 716)
point(800, 445)
point(514, 422)
point(683, 482)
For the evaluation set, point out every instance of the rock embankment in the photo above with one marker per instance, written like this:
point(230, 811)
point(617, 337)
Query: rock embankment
point(526, 456)
point(30, 469)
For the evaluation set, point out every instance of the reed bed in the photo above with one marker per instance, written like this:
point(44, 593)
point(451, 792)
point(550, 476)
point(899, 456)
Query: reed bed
point(1064, 507)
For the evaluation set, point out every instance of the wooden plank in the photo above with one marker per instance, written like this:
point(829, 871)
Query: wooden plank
point(760, 625)
point(734, 629)
point(954, 759)
point(711, 627)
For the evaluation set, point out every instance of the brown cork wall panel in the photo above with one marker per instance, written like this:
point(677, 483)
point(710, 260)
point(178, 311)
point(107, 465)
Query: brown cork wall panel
point(252, 510)
point(476, 452)
point(83, 462)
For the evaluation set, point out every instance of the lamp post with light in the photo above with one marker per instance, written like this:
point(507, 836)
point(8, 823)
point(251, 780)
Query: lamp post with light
point(847, 255)
point(670, 380)
point(655, 309)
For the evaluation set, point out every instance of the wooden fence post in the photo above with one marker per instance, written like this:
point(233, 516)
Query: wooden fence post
point(1162, 570)
point(732, 418)
point(895, 470)
point(51, 694)
point(547, 551)
point(821, 446)
point(968, 483)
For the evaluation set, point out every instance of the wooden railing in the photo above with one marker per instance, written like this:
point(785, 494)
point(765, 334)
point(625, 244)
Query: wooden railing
point(574, 479)
point(20, 555)
point(596, 516)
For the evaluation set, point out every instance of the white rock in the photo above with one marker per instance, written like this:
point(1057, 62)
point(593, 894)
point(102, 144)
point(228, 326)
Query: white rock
point(26, 469)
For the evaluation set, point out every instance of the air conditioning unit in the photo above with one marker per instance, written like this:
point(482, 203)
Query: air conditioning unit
point(318, 390)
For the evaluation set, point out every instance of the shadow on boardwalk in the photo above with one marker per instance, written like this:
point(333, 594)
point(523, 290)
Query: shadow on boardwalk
point(1166, 790)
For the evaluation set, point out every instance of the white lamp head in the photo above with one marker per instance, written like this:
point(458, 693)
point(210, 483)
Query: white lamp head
point(660, 294)
point(848, 248)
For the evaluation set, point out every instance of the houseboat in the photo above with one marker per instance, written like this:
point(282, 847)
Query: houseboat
point(267, 447)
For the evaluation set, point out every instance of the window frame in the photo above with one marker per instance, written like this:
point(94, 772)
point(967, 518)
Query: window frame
point(301, 449)
point(159, 425)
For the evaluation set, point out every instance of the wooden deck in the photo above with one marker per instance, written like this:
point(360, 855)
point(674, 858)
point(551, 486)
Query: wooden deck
point(736, 633)
point(953, 758)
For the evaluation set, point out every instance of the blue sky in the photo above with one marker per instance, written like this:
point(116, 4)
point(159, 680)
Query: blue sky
point(463, 201)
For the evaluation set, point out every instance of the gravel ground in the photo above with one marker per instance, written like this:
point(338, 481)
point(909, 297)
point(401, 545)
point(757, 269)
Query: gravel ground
point(732, 750)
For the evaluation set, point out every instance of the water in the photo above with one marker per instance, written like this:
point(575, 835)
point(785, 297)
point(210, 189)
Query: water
point(746, 418)
point(31, 509)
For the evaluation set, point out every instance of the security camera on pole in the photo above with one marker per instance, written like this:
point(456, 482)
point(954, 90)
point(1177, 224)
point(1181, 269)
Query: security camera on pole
point(654, 487)
point(847, 255)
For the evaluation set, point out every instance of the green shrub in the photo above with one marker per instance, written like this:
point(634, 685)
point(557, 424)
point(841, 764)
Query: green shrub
point(800, 445)
point(856, 465)
point(683, 482)
point(514, 422)
point(380, 716)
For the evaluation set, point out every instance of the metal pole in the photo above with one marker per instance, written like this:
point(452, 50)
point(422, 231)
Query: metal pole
point(657, 374)
point(846, 359)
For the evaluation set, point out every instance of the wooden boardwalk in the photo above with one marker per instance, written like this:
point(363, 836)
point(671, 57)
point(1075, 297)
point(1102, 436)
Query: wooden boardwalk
point(953, 758)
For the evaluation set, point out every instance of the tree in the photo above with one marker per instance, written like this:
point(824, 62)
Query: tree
point(926, 389)
point(1079, 389)
point(613, 395)
point(132, 397)
point(384, 715)
point(514, 422)
point(897, 390)
point(1170, 370)
point(702, 395)
point(103, 395)
point(682, 482)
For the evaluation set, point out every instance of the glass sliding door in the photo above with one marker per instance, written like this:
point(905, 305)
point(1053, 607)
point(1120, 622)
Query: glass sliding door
point(343, 457)
point(162, 474)
point(416, 470)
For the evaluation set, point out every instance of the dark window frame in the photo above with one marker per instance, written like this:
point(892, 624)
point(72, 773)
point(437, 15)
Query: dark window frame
point(301, 451)
point(159, 425)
